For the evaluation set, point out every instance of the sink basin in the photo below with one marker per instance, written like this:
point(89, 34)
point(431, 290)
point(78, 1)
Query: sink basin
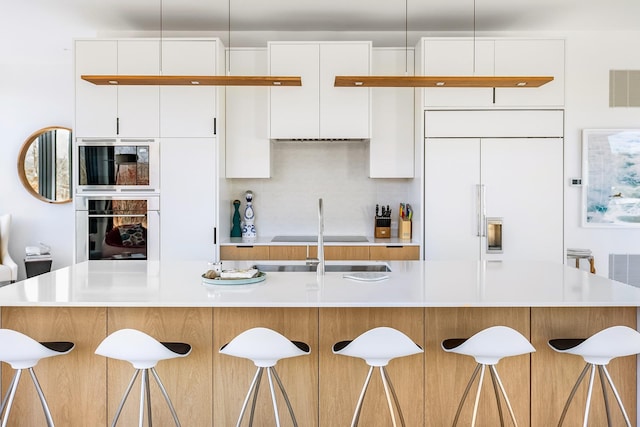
point(327, 267)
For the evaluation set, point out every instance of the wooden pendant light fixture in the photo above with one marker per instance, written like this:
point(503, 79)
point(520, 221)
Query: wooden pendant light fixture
point(192, 80)
point(441, 81)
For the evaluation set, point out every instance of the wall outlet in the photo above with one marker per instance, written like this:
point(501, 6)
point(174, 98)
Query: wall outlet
point(576, 182)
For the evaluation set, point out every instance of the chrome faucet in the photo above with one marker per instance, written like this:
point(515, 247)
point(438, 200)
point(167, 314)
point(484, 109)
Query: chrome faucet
point(320, 270)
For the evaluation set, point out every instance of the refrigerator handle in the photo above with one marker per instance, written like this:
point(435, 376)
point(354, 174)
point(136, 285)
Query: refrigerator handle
point(483, 214)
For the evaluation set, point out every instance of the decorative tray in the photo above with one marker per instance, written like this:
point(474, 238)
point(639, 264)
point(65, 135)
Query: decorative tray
point(219, 281)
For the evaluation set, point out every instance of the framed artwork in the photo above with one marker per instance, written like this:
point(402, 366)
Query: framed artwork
point(611, 178)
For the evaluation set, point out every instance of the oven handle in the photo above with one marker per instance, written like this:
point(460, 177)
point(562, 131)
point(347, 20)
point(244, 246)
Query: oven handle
point(118, 216)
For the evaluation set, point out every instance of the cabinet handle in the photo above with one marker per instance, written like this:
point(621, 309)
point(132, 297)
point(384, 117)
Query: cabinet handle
point(117, 125)
point(215, 235)
point(394, 247)
point(215, 126)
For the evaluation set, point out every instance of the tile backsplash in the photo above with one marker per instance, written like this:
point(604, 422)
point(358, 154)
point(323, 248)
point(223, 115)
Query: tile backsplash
point(302, 172)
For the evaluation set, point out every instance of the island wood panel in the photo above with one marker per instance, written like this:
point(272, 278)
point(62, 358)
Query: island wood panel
point(74, 384)
point(244, 253)
point(188, 380)
point(342, 253)
point(342, 377)
point(287, 253)
point(554, 374)
point(394, 253)
point(447, 374)
point(233, 375)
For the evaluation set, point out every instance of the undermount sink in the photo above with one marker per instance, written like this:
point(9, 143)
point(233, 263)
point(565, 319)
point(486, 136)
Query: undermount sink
point(327, 267)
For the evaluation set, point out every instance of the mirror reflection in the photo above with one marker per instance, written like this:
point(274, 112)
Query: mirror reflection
point(44, 164)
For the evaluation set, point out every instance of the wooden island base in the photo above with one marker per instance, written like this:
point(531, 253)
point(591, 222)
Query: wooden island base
point(208, 388)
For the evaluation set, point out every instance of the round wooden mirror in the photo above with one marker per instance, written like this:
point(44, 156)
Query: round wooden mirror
point(44, 164)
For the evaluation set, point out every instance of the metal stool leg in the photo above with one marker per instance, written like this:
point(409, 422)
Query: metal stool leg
point(588, 405)
point(143, 383)
point(605, 395)
point(464, 395)
point(475, 404)
point(166, 398)
point(284, 394)
point(615, 393)
point(255, 398)
point(504, 394)
point(43, 401)
point(273, 397)
point(496, 391)
point(124, 398)
point(388, 387)
point(573, 393)
point(356, 414)
point(10, 395)
point(253, 386)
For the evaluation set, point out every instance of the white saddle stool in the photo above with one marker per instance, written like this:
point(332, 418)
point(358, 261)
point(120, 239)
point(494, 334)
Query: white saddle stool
point(487, 347)
point(265, 347)
point(378, 346)
point(143, 352)
point(23, 352)
point(597, 351)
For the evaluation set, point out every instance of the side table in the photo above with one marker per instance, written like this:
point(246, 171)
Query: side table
point(37, 267)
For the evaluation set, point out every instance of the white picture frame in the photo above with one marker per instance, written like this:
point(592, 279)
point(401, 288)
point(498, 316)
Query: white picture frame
point(611, 178)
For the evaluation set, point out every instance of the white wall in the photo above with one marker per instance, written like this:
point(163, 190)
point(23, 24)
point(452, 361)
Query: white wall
point(589, 57)
point(36, 90)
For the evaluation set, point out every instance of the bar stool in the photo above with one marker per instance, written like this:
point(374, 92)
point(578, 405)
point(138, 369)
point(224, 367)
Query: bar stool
point(597, 351)
point(487, 347)
point(23, 352)
point(378, 346)
point(143, 352)
point(265, 347)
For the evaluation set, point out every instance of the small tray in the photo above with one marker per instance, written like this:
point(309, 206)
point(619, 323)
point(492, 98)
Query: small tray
point(219, 281)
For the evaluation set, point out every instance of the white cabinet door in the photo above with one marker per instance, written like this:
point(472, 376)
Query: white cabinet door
point(470, 179)
point(248, 149)
point(116, 111)
point(96, 106)
point(344, 112)
point(391, 148)
point(522, 180)
point(188, 201)
point(457, 57)
point(189, 111)
point(530, 58)
point(294, 112)
point(318, 109)
point(138, 105)
point(451, 208)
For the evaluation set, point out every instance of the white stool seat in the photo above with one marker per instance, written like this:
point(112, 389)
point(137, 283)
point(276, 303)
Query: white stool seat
point(265, 347)
point(597, 351)
point(23, 352)
point(487, 347)
point(378, 346)
point(143, 352)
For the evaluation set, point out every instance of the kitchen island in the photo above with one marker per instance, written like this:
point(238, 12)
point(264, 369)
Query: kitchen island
point(428, 300)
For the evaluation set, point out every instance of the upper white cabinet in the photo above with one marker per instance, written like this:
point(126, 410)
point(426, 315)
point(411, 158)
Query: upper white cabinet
point(493, 57)
point(190, 111)
point(391, 147)
point(248, 148)
point(317, 109)
point(122, 111)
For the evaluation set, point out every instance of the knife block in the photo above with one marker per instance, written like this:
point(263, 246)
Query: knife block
point(382, 227)
point(404, 229)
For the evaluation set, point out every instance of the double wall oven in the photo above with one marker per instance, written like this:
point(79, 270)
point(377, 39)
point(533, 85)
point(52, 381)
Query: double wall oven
point(117, 199)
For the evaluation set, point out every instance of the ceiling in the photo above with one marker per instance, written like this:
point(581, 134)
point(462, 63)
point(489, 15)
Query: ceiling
point(348, 15)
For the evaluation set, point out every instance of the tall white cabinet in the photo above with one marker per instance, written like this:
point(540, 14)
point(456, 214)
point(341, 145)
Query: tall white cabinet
point(500, 172)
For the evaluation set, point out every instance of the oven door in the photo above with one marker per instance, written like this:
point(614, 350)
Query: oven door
point(117, 228)
point(110, 164)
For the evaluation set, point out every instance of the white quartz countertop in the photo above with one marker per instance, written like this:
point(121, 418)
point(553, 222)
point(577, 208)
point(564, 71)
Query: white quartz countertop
point(410, 284)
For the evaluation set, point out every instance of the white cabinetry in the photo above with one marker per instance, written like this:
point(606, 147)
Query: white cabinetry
point(188, 201)
point(515, 176)
point(317, 109)
point(123, 111)
point(248, 149)
point(190, 111)
point(493, 57)
point(391, 148)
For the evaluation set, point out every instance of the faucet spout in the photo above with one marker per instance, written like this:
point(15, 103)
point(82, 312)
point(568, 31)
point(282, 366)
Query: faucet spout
point(320, 270)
